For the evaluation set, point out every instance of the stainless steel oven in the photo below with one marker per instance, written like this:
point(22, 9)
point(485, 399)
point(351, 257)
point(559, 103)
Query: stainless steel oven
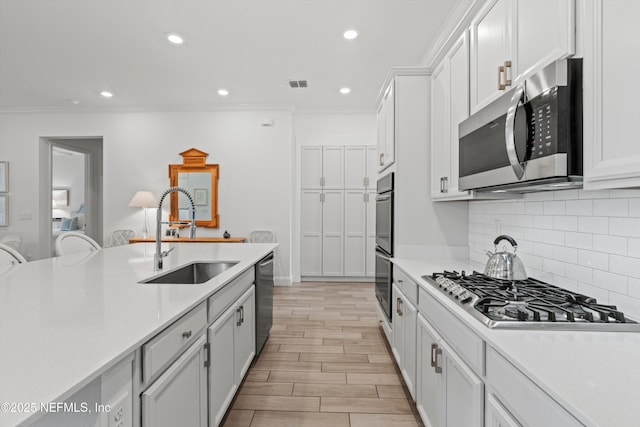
point(384, 242)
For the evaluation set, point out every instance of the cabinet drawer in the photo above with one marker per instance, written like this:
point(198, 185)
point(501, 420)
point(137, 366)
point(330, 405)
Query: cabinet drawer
point(466, 343)
point(226, 296)
point(406, 285)
point(523, 398)
point(167, 345)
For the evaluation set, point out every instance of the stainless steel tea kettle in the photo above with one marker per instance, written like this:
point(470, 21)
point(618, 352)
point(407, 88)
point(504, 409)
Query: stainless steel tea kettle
point(505, 265)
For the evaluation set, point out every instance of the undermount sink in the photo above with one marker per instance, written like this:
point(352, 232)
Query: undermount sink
point(193, 273)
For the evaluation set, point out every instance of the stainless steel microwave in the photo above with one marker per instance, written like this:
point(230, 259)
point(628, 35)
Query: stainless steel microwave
point(529, 139)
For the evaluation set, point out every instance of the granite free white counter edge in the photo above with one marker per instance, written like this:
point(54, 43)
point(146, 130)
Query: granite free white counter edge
point(66, 320)
point(594, 375)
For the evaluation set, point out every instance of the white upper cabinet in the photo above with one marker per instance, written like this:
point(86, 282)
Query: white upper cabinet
point(511, 39)
point(440, 161)
point(544, 31)
point(361, 167)
point(311, 167)
point(611, 65)
point(386, 128)
point(490, 51)
point(322, 167)
point(449, 106)
point(333, 167)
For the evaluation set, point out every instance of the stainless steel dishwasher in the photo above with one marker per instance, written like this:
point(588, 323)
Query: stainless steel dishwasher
point(264, 300)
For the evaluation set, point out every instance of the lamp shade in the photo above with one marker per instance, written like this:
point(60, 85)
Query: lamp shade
point(143, 199)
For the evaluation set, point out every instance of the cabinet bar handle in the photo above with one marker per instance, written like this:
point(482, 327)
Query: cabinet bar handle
point(238, 321)
point(434, 346)
point(381, 159)
point(322, 181)
point(207, 348)
point(241, 314)
point(501, 70)
point(186, 334)
point(507, 66)
point(435, 351)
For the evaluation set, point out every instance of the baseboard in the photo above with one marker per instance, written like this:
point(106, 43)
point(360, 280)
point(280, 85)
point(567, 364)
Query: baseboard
point(349, 279)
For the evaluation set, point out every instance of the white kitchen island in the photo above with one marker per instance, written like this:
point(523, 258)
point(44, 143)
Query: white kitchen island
point(65, 321)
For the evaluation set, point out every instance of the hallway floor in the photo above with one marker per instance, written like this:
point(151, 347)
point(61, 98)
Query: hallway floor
point(326, 363)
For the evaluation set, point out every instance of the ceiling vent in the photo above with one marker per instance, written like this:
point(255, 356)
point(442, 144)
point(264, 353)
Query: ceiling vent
point(297, 83)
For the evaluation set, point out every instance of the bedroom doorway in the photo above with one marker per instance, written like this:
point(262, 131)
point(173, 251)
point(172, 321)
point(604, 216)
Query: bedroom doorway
point(70, 189)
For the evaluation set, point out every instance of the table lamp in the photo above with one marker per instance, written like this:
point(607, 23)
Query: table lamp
point(144, 200)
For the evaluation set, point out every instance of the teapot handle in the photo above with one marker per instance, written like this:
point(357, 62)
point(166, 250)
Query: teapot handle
point(507, 238)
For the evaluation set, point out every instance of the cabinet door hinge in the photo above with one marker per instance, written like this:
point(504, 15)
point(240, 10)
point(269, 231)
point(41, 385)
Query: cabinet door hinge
point(207, 348)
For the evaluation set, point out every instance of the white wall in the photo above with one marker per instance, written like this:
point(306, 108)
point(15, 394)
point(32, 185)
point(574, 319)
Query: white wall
point(586, 241)
point(256, 163)
point(325, 129)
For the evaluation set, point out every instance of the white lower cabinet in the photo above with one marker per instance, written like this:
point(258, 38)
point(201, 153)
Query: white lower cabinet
point(520, 398)
point(179, 395)
point(232, 341)
point(403, 335)
point(337, 233)
point(448, 392)
point(429, 396)
point(496, 414)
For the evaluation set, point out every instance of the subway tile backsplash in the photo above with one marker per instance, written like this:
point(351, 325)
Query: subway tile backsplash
point(587, 241)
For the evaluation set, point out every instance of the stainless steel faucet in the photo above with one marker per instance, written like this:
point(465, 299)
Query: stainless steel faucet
point(157, 259)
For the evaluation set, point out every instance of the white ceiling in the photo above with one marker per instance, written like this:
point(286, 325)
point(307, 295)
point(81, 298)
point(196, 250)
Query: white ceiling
point(55, 51)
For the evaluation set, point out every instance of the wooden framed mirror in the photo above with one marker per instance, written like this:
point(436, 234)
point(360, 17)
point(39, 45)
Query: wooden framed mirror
point(199, 179)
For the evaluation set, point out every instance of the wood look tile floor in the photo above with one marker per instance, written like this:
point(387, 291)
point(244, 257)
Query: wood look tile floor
point(326, 363)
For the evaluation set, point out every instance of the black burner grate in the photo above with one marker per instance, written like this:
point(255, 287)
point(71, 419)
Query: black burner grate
point(531, 300)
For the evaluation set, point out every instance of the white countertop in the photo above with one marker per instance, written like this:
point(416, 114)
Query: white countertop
point(66, 320)
point(594, 375)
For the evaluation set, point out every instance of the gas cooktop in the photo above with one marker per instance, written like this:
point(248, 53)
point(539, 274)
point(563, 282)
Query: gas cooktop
point(529, 303)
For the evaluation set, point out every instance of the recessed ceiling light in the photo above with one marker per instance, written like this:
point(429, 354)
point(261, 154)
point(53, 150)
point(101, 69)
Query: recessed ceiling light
point(175, 38)
point(106, 94)
point(345, 90)
point(223, 92)
point(350, 34)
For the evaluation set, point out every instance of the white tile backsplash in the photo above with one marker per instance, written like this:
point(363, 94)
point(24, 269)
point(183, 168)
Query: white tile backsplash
point(629, 227)
point(588, 241)
point(580, 207)
point(634, 207)
point(565, 223)
point(593, 224)
point(579, 240)
point(554, 208)
point(599, 260)
point(611, 207)
point(610, 244)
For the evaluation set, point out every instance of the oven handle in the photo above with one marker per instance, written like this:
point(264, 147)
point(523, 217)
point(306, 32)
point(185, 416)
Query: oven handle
point(509, 131)
point(383, 197)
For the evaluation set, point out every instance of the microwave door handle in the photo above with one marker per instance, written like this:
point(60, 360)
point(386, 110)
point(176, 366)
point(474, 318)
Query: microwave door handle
point(509, 131)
